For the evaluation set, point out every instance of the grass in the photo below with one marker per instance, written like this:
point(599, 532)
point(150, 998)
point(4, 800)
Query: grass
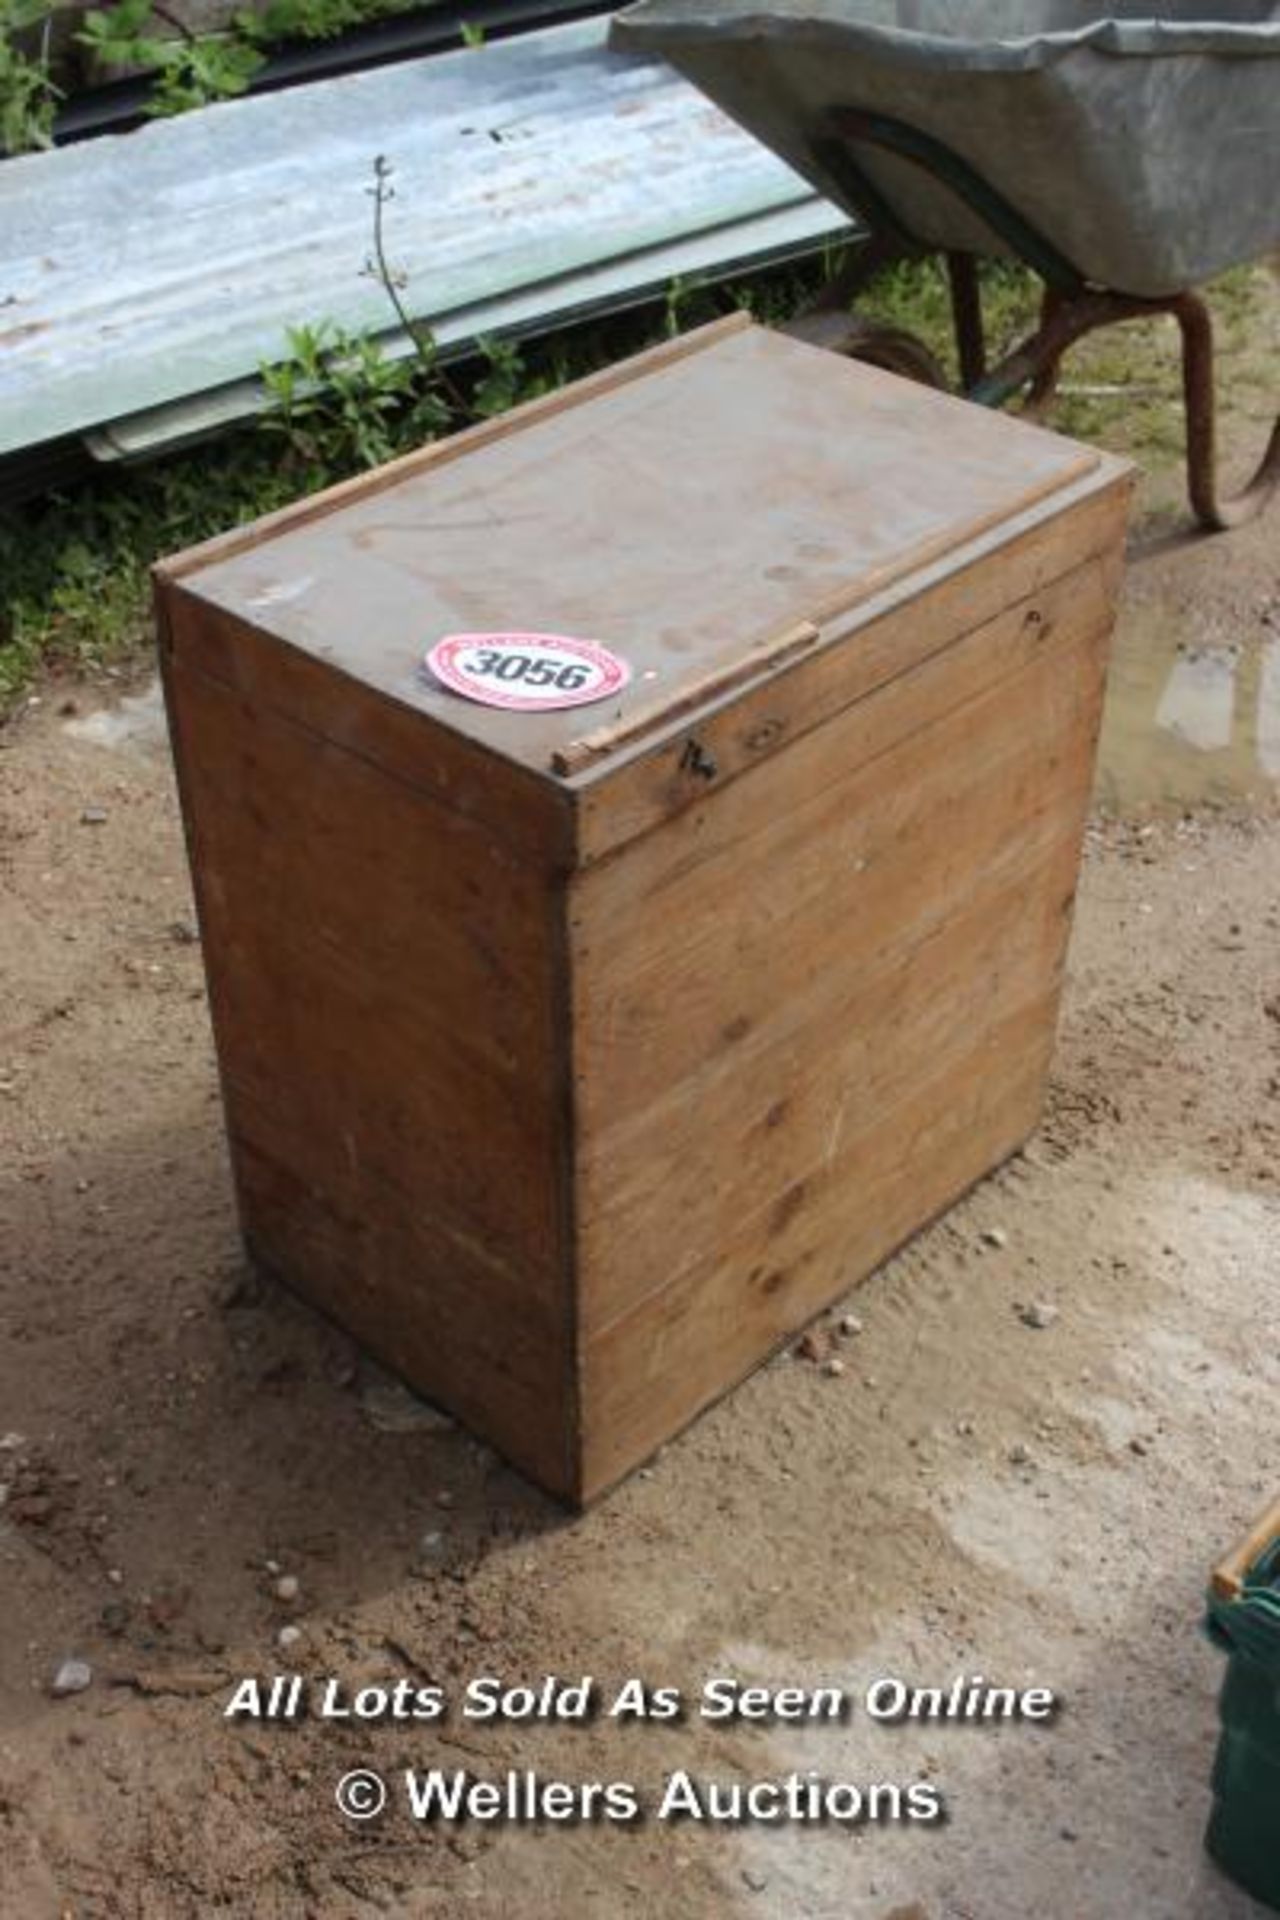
point(75, 563)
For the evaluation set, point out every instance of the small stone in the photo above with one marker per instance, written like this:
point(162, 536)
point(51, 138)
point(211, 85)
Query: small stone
point(834, 1367)
point(115, 1576)
point(1139, 1444)
point(756, 1881)
point(850, 1325)
point(1037, 1313)
point(390, 1407)
point(288, 1637)
point(271, 1566)
point(12, 1442)
point(1019, 1456)
point(93, 816)
point(444, 1498)
point(287, 1587)
point(73, 1676)
point(182, 933)
point(994, 1237)
point(964, 1428)
point(811, 1346)
point(431, 1548)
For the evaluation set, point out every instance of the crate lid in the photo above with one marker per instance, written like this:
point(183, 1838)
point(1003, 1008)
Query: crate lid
point(701, 512)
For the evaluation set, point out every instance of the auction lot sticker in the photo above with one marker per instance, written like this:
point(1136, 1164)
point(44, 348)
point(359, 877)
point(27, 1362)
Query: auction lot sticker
point(527, 671)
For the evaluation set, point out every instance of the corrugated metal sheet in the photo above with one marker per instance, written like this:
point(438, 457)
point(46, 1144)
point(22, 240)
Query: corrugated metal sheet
point(144, 278)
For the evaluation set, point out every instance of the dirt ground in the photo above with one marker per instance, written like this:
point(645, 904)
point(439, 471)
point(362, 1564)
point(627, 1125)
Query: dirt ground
point(973, 1494)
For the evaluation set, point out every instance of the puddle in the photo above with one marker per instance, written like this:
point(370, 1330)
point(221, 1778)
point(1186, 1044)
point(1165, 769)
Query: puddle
point(1186, 722)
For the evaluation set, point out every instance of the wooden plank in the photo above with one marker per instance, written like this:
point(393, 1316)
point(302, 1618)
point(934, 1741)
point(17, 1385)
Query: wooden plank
point(882, 638)
point(647, 1375)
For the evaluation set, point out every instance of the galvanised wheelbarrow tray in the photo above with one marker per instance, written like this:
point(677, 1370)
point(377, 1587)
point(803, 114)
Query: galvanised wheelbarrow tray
point(1126, 160)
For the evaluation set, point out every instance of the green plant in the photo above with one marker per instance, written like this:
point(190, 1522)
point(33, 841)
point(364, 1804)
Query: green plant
point(74, 562)
point(190, 70)
point(681, 298)
point(340, 402)
point(506, 381)
point(472, 36)
point(393, 280)
point(193, 69)
point(307, 19)
point(27, 94)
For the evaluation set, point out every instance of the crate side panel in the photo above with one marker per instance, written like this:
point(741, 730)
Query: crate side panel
point(383, 986)
point(820, 1010)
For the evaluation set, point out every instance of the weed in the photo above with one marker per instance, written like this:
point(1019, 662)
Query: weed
point(340, 402)
point(27, 94)
point(506, 381)
point(190, 70)
point(75, 562)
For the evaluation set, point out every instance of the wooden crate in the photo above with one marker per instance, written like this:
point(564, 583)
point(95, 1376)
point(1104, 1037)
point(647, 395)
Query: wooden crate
point(574, 1060)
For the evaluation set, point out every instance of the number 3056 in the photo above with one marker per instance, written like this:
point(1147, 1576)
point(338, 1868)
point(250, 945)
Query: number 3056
point(534, 672)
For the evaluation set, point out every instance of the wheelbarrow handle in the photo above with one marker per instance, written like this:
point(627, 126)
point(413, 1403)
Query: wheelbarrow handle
point(1227, 1577)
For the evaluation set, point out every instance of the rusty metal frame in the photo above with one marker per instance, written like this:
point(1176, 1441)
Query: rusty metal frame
point(1066, 318)
point(1070, 307)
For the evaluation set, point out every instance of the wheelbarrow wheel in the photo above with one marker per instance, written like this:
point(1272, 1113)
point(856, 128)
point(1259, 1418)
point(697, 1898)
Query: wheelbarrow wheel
point(891, 348)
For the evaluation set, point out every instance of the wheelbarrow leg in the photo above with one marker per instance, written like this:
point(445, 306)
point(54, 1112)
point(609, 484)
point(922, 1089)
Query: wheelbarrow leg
point(1194, 319)
point(966, 314)
point(1064, 319)
point(1044, 383)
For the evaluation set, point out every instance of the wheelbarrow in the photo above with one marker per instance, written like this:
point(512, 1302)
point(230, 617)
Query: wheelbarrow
point(1126, 160)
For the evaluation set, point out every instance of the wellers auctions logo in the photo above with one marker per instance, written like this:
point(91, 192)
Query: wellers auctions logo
point(521, 1796)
